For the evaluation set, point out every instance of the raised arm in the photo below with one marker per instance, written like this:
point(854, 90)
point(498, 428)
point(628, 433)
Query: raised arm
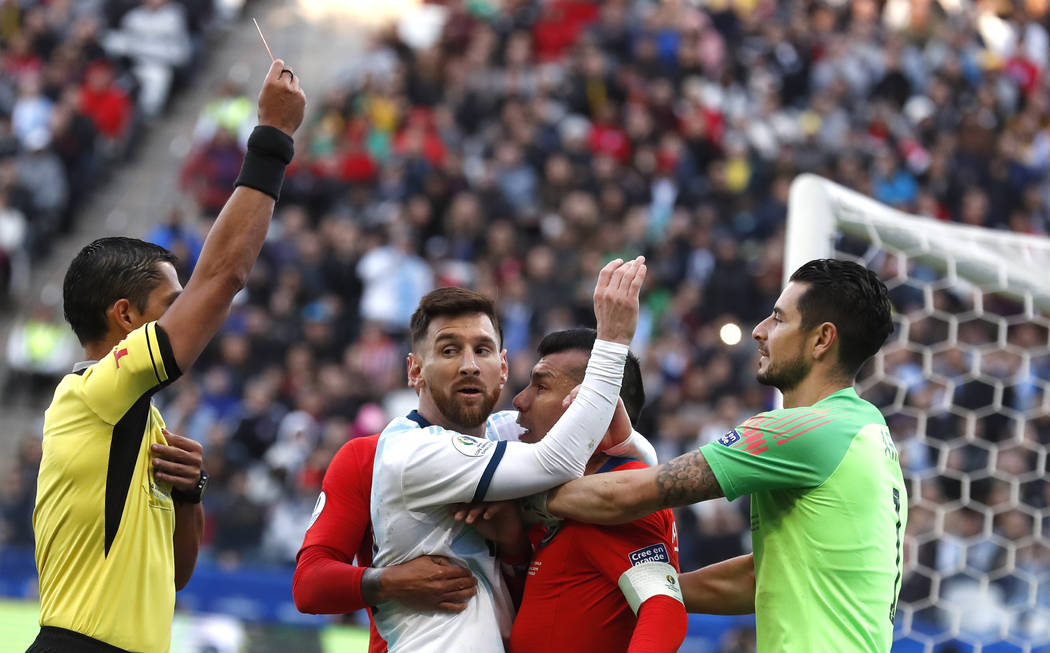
point(621, 497)
point(563, 453)
point(455, 468)
point(235, 239)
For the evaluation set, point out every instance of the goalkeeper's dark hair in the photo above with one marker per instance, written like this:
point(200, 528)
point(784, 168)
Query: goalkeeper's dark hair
point(631, 390)
point(852, 298)
point(451, 301)
point(105, 271)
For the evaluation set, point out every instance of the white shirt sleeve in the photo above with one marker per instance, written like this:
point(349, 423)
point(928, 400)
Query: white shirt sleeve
point(447, 467)
point(637, 447)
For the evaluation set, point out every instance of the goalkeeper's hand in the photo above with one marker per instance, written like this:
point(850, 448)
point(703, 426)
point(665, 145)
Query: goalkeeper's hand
point(534, 511)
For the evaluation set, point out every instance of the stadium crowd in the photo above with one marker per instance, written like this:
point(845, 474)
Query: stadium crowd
point(514, 152)
point(79, 80)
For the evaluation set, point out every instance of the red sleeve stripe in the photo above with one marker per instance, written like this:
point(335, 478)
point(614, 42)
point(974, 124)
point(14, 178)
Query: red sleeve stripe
point(782, 426)
point(749, 437)
point(805, 431)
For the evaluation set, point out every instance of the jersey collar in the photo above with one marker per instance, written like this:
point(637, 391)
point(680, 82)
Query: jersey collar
point(78, 368)
point(419, 419)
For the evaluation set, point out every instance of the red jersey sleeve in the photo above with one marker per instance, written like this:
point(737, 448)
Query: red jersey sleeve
point(326, 581)
point(661, 624)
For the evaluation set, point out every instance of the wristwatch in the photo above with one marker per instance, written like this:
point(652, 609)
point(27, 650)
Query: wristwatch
point(193, 496)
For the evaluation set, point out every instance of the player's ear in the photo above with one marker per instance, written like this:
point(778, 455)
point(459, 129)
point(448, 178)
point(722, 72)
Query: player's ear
point(504, 368)
point(121, 316)
point(415, 371)
point(825, 340)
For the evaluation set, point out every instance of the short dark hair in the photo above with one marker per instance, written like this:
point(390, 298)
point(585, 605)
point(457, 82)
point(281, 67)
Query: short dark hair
point(852, 298)
point(631, 390)
point(451, 301)
point(107, 270)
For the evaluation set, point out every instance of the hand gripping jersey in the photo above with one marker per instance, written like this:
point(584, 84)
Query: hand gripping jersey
point(828, 513)
point(103, 524)
point(572, 601)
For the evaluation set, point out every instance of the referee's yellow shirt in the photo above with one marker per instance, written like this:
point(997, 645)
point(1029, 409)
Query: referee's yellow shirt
point(103, 524)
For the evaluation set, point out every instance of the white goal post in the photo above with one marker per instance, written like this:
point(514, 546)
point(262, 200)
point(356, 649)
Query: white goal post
point(964, 383)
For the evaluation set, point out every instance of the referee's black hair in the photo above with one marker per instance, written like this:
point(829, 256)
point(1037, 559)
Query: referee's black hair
point(631, 390)
point(107, 270)
point(851, 297)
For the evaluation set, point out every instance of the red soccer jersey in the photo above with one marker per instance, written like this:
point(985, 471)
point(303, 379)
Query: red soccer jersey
point(325, 581)
point(572, 601)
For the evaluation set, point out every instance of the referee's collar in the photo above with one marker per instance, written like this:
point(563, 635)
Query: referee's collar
point(78, 368)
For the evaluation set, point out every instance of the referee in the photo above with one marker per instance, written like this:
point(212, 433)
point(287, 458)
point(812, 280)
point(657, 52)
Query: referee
point(118, 519)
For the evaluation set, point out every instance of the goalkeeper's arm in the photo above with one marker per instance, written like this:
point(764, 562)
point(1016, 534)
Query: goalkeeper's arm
point(726, 587)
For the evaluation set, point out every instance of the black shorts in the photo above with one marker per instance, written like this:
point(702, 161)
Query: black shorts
point(60, 640)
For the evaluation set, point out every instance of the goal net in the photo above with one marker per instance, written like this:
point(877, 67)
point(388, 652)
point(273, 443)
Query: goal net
point(964, 384)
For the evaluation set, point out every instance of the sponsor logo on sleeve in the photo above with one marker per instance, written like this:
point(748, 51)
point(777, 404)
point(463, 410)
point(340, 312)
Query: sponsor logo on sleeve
point(651, 553)
point(318, 507)
point(729, 439)
point(118, 354)
point(472, 447)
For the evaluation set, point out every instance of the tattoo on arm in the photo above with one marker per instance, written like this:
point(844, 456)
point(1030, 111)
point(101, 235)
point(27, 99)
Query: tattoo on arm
point(685, 480)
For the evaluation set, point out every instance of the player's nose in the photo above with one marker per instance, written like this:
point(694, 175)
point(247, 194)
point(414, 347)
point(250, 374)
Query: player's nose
point(759, 332)
point(468, 364)
point(520, 401)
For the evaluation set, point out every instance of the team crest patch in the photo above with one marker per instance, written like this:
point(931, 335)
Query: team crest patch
point(651, 553)
point(472, 447)
point(318, 507)
point(729, 439)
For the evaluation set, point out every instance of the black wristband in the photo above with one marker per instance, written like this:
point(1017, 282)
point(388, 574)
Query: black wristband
point(269, 151)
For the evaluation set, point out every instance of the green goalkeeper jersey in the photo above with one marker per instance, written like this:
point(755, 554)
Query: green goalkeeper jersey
point(828, 511)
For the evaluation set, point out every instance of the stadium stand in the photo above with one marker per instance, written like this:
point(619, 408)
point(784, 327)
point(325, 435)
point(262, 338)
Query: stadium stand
point(515, 151)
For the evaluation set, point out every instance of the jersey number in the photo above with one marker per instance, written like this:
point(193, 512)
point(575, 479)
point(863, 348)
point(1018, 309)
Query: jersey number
point(897, 510)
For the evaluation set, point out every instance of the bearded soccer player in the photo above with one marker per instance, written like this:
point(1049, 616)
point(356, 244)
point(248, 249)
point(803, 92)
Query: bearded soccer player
point(597, 588)
point(437, 455)
point(828, 503)
point(118, 519)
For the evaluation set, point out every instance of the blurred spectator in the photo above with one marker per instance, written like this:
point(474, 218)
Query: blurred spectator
point(106, 103)
point(40, 350)
point(211, 169)
point(232, 111)
point(156, 37)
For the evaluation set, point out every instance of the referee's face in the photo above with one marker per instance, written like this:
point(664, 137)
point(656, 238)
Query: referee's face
point(161, 297)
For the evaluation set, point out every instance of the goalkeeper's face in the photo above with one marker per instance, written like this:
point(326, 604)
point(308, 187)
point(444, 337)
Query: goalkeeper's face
point(459, 369)
point(781, 342)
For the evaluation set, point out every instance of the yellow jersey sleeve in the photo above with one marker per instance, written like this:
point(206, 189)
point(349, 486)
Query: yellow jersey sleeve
point(140, 363)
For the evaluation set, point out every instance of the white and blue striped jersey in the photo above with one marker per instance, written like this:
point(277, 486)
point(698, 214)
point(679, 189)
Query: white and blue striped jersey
point(413, 519)
point(421, 468)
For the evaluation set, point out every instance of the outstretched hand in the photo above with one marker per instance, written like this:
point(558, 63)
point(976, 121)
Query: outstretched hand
point(616, 299)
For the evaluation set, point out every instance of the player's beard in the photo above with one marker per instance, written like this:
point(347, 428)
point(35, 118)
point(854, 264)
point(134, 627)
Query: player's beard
point(451, 406)
point(786, 375)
